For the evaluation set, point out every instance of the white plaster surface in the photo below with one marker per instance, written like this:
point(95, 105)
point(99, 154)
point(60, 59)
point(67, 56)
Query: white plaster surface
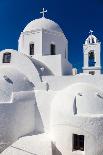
point(42, 23)
point(29, 146)
point(22, 63)
point(42, 104)
point(57, 65)
point(79, 111)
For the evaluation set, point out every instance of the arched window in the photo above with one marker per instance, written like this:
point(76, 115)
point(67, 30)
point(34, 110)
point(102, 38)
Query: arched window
point(6, 57)
point(52, 49)
point(91, 59)
point(93, 40)
point(31, 49)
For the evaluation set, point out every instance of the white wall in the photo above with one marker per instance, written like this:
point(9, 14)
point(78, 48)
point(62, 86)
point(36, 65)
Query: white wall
point(17, 118)
point(53, 62)
point(96, 70)
point(30, 37)
point(87, 121)
point(90, 127)
point(61, 82)
point(22, 63)
point(58, 39)
point(56, 63)
point(43, 100)
point(66, 67)
point(42, 40)
point(6, 91)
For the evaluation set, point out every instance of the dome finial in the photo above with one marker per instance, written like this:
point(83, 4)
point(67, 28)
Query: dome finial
point(43, 12)
point(91, 32)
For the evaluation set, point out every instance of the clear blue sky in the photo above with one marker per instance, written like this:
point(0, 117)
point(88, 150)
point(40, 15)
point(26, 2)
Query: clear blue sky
point(75, 17)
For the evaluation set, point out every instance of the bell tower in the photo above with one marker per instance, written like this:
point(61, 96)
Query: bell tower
point(92, 55)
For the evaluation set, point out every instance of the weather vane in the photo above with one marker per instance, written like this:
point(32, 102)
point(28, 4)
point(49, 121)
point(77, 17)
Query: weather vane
point(43, 12)
point(91, 32)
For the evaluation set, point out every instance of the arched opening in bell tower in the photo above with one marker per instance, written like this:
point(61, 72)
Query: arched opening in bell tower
point(91, 58)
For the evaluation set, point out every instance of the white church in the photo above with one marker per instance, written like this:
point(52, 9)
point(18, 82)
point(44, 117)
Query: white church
point(46, 108)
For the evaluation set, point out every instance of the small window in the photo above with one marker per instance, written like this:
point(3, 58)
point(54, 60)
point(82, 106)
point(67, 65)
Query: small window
point(52, 48)
point(92, 72)
point(31, 49)
point(78, 142)
point(6, 57)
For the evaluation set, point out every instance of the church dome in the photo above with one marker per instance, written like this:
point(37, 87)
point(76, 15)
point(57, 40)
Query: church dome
point(42, 23)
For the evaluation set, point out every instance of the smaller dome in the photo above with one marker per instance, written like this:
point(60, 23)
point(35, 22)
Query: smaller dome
point(42, 23)
point(77, 99)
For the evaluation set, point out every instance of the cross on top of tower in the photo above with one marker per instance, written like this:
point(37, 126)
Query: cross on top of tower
point(91, 32)
point(43, 12)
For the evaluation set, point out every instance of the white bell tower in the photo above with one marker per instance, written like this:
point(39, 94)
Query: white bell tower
point(92, 55)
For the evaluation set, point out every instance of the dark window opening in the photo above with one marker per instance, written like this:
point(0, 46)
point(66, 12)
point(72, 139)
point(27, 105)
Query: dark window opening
point(31, 49)
point(53, 49)
point(91, 58)
point(78, 142)
point(6, 57)
point(93, 40)
point(92, 72)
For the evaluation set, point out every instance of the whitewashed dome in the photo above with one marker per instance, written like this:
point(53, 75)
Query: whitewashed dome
point(43, 23)
point(77, 99)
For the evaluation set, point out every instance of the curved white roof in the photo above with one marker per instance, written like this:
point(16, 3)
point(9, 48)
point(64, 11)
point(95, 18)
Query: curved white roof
point(22, 63)
point(77, 99)
point(6, 89)
point(19, 81)
point(30, 145)
point(42, 23)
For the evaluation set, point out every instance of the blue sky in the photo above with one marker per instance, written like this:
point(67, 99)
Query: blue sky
point(75, 17)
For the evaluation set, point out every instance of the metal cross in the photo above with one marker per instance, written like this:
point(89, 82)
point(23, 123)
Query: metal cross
point(91, 32)
point(43, 12)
